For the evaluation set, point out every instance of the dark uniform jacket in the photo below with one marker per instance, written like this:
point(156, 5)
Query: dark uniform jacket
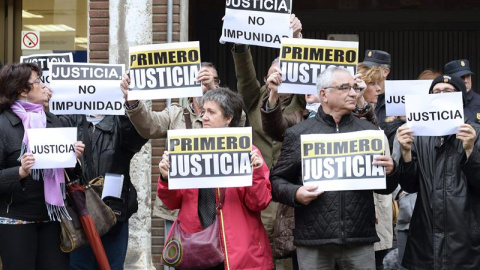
point(472, 106)
point(335, 217)
point(445, 226)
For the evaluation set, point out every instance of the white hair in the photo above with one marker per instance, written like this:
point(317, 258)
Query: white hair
point(325, 78)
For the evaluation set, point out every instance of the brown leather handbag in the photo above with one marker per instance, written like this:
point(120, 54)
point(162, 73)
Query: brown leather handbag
point(72, 234)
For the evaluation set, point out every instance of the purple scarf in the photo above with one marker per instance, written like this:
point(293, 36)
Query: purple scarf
point(33, 116)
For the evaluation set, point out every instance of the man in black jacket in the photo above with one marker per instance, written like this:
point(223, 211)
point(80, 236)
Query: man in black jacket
point(336, 227)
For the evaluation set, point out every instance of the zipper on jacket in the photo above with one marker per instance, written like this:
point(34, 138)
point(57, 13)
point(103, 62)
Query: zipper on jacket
point(337, 129)
point(227, 263)
point(9, 203)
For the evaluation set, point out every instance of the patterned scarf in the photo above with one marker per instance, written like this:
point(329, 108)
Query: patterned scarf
point(33, 116)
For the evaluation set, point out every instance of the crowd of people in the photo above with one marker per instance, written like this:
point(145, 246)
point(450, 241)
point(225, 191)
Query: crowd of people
point(277, 222)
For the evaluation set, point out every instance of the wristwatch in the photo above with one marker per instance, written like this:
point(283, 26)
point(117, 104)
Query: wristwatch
point(364, 110)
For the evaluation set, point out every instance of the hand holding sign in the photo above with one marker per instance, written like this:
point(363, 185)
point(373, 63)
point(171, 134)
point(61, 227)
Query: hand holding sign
point(207, 79)
point(306, 194)
point(296, 26)
point(164, 165)
point(466, 133)
point(79, 147)
point(27, 162)
point(256, 160)
point(125, 86)
point(384, 161)
point(405, 138)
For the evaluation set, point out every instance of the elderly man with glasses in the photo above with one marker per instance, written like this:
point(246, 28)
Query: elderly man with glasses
point(335, 227)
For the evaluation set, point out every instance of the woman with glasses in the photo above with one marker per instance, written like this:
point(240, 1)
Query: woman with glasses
point(243, 236)
point(29, 198)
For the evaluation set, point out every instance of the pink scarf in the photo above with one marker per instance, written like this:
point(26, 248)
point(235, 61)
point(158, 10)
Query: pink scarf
point(33, 116)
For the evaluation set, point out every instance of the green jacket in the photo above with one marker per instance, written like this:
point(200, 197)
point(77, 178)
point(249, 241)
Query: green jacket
point(253, 94)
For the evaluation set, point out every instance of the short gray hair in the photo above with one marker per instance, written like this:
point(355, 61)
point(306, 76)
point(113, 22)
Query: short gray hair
point(326, 77)
point(230, 103)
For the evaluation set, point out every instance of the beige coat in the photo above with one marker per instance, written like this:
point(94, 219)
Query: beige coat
point(383, 209)
point(154, 125)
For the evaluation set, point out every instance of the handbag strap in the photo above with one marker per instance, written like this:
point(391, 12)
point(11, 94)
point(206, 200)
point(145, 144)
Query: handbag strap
point(186, 117)
point(88, 149)
point(221, 200)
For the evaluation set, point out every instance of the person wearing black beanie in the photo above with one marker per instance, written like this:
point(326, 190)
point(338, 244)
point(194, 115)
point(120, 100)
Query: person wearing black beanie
point(445, 225)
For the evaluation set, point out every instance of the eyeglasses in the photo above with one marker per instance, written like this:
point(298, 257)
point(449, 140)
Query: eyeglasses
point(37, 81)
point(346, 87)
point(446, 90)
point(217, 80)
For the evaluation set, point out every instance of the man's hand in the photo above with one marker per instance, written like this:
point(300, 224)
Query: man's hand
point(125, 85)
point(296, 26)
point(466, 133)
point(306, 194)
point(405, 138)
point(386, 162)
point(207, 79)
point(273, 81)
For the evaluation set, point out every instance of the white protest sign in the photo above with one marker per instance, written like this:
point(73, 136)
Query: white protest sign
point(164, 71)
point(302, 60)
point(82, 88)
point(210, 158)
point(53, 147)
point(343, 161)
point(44, 60)
point(257, 22)
point(395, 92)
point(434, 114)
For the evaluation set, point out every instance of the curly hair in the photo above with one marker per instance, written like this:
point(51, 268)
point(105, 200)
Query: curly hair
point(370, 74)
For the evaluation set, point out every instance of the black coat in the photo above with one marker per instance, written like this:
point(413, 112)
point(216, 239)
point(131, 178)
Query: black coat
point(335, 217)
point(472, 106)
point(445, 226)
point(26, 195)
point(114, 141)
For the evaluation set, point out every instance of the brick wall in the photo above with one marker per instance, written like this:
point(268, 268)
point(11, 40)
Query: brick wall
point(159, 20)
point(98, 46)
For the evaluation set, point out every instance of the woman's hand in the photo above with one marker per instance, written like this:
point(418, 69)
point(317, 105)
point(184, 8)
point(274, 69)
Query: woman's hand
point(164, 165)
point(79, 148)
point(360, 84)
point(255, 159)
point(27, 161)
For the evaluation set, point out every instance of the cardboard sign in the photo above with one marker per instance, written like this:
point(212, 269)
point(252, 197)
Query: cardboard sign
point(302, 60)
point(343, 161)
point(395, 92)
point(257, 22)
point(52, 147)
point(434, 114)
point(210, 158)
point(164, 71)
point(44, 61)
point(82, 88)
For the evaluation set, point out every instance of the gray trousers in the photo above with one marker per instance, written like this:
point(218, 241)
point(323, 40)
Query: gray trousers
point(348, 256)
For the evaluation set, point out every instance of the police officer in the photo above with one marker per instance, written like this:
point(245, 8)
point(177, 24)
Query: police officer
point(461, 68)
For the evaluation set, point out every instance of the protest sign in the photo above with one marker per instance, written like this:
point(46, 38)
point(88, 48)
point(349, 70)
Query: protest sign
point(257, 22)
point(53, 147)
point(434, 114)
point(302, 60)
point(81, 88)
point(164, 71)
point(210, 158)
point(395, 92)
point(343, 161)
point(44, 61)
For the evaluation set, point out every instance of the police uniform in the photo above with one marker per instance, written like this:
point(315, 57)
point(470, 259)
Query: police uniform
point(461, 68)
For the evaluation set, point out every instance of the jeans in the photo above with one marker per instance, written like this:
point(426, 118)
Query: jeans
point(115, 248)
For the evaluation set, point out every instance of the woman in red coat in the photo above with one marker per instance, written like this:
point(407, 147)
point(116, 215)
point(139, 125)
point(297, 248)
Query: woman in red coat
point(244, 239)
